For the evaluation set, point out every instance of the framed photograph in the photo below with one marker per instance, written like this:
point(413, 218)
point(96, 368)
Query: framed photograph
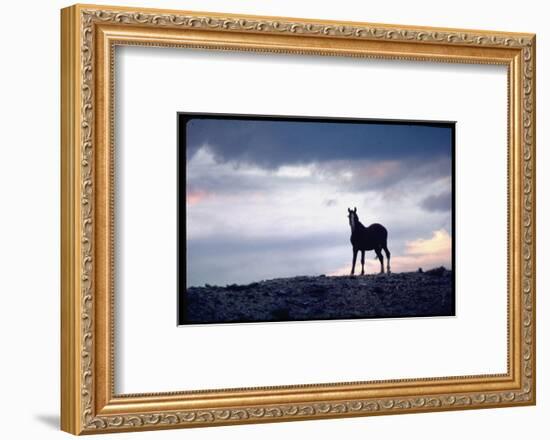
point(270, 219)
point(273, 195)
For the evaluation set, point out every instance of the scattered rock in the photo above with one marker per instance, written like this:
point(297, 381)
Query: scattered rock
point(429, 293)
point(281, 314)
point(437, 272)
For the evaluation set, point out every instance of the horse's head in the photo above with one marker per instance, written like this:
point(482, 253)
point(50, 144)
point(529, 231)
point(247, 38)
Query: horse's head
point(353, 217)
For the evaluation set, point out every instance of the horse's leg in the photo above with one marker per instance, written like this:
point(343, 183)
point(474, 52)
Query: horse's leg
point(388, 254)
point(362, 262)
point(354, 259)
point(381, 258)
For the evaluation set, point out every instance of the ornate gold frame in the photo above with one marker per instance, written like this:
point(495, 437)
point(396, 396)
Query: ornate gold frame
point(88, 36)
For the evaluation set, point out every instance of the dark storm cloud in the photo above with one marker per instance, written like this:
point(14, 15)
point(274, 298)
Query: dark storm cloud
point(438, 202)
point(271, 144)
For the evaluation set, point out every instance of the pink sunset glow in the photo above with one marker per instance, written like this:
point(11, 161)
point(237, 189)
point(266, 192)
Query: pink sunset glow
point(420, 253)
point(195, 197)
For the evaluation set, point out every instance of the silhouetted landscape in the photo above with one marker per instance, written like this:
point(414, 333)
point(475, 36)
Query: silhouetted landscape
point(269, 203)
point(410, 294)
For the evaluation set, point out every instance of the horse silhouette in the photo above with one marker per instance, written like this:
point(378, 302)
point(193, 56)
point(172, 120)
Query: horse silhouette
point(374, 237)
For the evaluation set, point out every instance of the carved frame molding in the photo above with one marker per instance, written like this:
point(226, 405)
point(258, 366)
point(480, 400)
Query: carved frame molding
point(89, 35)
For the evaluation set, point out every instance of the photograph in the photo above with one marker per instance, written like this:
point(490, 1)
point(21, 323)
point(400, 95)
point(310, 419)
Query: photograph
point(262, 217)
point(298, 219)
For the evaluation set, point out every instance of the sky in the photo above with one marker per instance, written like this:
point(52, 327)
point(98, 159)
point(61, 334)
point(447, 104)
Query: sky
point(268, 198)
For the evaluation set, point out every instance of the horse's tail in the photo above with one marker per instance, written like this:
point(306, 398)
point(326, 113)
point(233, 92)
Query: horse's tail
point(384, 236)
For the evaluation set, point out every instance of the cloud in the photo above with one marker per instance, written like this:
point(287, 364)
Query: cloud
point(439, 243)
point(284, 219)
point(393, 179)
point(271, 144)
point(425, 253)
point(437, 202)
point(195, 197)
point(265, 203)
point(225, 259)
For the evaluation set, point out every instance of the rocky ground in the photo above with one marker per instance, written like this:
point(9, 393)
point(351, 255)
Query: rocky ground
point(429, 293)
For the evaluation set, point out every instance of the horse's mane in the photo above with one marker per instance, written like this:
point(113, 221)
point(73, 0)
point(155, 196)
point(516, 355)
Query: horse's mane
point(360, 225)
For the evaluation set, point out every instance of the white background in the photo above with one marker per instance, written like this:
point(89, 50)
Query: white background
point(188, 357)
point(29, 236)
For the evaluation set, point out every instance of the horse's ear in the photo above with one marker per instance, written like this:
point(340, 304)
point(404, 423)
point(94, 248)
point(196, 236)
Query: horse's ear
point(349, 210)
point(355, 209)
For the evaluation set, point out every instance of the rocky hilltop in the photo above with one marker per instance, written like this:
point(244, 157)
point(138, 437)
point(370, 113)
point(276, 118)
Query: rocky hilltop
point(429, 293)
